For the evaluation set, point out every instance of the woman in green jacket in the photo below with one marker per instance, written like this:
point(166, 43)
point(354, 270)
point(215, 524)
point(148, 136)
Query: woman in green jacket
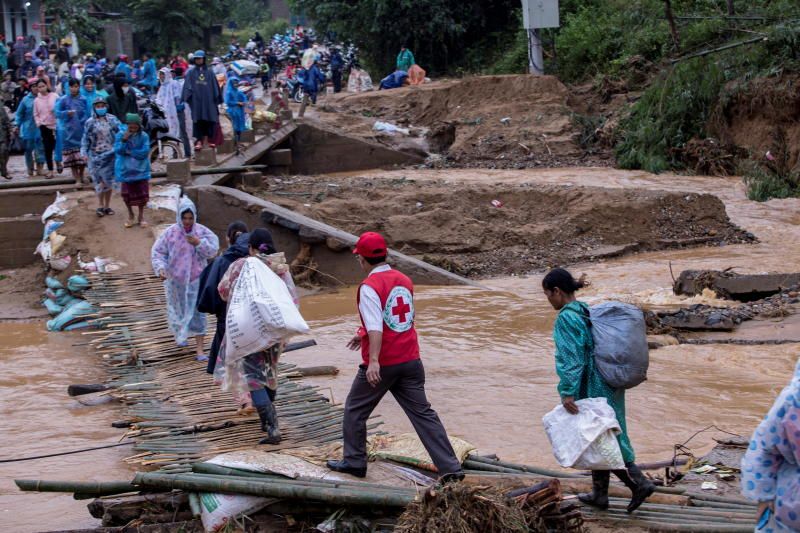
point(579, 379)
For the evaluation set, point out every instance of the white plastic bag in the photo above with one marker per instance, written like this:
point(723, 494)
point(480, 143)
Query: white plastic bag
point(389, 128)
point(261, 312)
point(587, 440)
point(216, 510)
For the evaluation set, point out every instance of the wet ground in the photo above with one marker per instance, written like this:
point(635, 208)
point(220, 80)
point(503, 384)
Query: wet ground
point(488, 356)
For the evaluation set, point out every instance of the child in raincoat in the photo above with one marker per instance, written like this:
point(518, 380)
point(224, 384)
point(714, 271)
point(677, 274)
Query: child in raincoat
point(179, 256)
point(771, 465)
point(235, 101)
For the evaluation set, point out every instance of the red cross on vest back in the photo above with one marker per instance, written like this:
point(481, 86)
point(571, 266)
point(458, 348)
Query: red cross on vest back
point(401, 309)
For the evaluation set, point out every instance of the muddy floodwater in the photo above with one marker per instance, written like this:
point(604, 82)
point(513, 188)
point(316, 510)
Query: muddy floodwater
point(38, 418)
point(488, 354)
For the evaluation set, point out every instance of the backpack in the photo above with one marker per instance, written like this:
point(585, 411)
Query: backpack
point(621, 354)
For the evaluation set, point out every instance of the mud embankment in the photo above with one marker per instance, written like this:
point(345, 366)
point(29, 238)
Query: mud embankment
point(504, 229)
point(483, 121)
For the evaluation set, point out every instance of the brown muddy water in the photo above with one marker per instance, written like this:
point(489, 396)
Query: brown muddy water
point(488, 356)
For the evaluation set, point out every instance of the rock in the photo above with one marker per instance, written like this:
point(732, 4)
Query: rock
point(336, 245)
point(311, 236)
point(659, 341)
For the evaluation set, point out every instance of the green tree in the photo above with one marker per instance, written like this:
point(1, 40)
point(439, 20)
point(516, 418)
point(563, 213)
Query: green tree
point(165, 24)
point(439, 32)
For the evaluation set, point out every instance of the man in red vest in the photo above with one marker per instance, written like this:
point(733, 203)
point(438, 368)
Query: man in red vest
point(391, 363)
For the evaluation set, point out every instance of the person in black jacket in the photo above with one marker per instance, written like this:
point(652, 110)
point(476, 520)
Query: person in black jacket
point(122, 100)
point(208, 299)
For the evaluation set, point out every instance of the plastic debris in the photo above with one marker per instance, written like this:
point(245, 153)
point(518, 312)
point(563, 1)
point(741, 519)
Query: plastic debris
point(497, 203)
point(388, 127)
point(708, 485)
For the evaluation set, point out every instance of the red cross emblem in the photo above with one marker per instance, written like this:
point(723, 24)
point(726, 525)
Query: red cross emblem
point(401, 309)
point(398, 311)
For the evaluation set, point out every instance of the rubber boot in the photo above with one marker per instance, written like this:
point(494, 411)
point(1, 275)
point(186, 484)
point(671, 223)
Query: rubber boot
point(599, 495)
point(641, 487)
point(269, 424)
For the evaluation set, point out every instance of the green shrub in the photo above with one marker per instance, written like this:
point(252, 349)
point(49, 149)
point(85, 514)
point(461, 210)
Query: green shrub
point(673, 110)
point(765, 184)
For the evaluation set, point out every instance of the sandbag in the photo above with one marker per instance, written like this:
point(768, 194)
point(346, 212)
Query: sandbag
point(587, 440)
point(52, 308)
point(408, 449)
point(261, 312)
point(70, 315)
point(217, 510)
point(621, 353)
point(53, 283)
point(77, 283)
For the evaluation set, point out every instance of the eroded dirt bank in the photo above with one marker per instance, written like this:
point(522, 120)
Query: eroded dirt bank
point(490, 229)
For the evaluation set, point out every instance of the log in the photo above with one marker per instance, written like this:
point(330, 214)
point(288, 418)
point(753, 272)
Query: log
point(294, 346)
point(81, 389)
point(120, 511)
point(317, 371)
point(569, 486)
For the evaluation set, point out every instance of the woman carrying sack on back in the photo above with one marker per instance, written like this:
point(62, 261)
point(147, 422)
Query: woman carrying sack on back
point(256, 373)
point(580, 379)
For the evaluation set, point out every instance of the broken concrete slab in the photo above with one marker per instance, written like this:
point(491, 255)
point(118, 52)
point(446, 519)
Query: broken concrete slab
point(179, 171)
point(291, 231)
point(248, 156)
point(688, 320)
point(205, 157)
point(733, 286)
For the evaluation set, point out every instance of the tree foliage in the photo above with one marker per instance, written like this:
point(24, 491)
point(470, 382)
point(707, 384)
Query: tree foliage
point(439, 32)
point(167, 24)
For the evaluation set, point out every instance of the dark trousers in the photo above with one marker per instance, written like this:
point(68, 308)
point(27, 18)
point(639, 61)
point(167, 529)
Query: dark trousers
point(406, 382)
point(336, 77)
point(49, 142)
point(219, 334)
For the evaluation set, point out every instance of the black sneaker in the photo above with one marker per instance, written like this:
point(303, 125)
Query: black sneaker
point(343, 467)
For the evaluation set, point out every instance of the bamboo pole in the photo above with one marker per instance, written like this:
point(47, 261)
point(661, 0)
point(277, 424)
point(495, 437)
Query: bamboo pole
point(289, 490)
point(82, 487)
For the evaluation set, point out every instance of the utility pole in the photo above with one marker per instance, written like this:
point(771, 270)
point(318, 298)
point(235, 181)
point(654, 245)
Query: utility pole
point(538, 14)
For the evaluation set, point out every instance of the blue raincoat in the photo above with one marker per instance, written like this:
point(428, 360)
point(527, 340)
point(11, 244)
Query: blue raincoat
point(133, 157)
point(97, 146)
point(149, 75)
point(123, 68)
point(136, 71)
point(183, 263)
point(233, 97)
point(394, 80)
point(91, 96)
point(71, 126)
point(29, 132)
point(771, 465)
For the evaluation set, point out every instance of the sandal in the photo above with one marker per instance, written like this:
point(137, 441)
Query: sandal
point(59, 168)
point(100, 212)
point(130, 223)
point(144, 224)
point(108, 211)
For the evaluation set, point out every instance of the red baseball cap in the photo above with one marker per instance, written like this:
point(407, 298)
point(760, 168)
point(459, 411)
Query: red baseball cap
point(370, 244)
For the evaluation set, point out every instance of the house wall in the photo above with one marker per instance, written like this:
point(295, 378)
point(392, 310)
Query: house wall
point(16, 19)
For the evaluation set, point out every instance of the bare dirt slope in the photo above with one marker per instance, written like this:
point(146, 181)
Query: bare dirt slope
point(456, 225)
point(500, 121)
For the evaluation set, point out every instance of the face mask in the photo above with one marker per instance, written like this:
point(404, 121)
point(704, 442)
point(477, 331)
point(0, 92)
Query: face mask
point(125, 90)
point(101, 111)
